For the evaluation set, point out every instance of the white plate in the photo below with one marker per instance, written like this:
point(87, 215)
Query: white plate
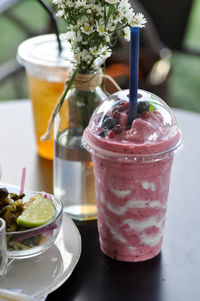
point(40, 275)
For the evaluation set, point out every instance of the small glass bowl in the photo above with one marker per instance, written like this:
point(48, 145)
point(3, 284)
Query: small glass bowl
point(34, 241)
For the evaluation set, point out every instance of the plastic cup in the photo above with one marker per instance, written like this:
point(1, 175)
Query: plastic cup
point(47, 72)
point(132, 166)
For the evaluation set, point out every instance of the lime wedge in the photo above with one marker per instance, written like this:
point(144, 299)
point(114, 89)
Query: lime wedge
point(39, 212)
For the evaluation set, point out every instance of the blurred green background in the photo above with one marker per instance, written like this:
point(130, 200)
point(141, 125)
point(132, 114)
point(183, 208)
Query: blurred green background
point(184, 86)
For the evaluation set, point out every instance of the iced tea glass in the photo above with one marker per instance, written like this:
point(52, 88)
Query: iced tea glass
point(47, 71)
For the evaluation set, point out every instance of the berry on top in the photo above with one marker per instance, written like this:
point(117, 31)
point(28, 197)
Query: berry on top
point(105, 116)
point(102, 133)
point(109, 123)
point(116, 115)
point(126, 105)
point(118, 128)
point(112, 123)
point(143, 106)
point(111, 134)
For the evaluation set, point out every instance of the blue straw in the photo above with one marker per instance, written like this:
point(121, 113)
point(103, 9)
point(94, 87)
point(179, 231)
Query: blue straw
point(133, 76)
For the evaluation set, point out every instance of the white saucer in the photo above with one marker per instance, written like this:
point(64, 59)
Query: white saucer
point(40, 275)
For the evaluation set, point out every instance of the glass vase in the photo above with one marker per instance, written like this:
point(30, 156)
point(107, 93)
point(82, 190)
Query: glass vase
point(73, 176)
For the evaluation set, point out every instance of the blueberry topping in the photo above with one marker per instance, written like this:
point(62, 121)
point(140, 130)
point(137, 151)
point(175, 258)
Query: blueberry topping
point(116, 115)
point(109, 123)
point(121, 108)
point(105, 116)
point(143, 106)
point(102, 133)
point(117, 129)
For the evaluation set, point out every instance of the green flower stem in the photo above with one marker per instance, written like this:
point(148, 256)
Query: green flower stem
point(68, 87)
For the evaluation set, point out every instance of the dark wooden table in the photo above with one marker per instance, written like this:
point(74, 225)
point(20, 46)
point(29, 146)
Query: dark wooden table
point(171, 276)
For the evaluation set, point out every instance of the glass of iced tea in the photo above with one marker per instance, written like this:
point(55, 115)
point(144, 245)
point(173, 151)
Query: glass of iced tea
point(46, 70)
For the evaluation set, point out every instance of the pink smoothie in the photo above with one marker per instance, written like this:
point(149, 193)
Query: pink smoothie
point(132, 166)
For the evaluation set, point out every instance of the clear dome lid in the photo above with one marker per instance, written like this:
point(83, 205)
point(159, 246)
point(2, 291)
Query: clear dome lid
point(152, 132)
point(43, 51)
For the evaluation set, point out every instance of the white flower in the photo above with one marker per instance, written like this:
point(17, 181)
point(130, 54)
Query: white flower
point(95, 66)
point(94, 50)
point(87, 29)
point(111, 25)
point(69, 3)
point(80, 3)
point(106, 52)
point(101, 30)
point(124, 7)
point(77, 50)
point(82, 21)
point(126, 31)
point(78, 39)
point(113, 20)
point(97, 9)
point(68, 35)
point(85, 55)
point(60, 13)
point(91, 27)
point(107, 38)
point(138, 20)
point(130, 17)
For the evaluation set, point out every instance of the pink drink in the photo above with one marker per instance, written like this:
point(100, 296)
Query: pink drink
point(132, 166)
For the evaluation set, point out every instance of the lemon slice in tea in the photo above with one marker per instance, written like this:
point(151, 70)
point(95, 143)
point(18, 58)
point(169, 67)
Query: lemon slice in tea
point(39, 212)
